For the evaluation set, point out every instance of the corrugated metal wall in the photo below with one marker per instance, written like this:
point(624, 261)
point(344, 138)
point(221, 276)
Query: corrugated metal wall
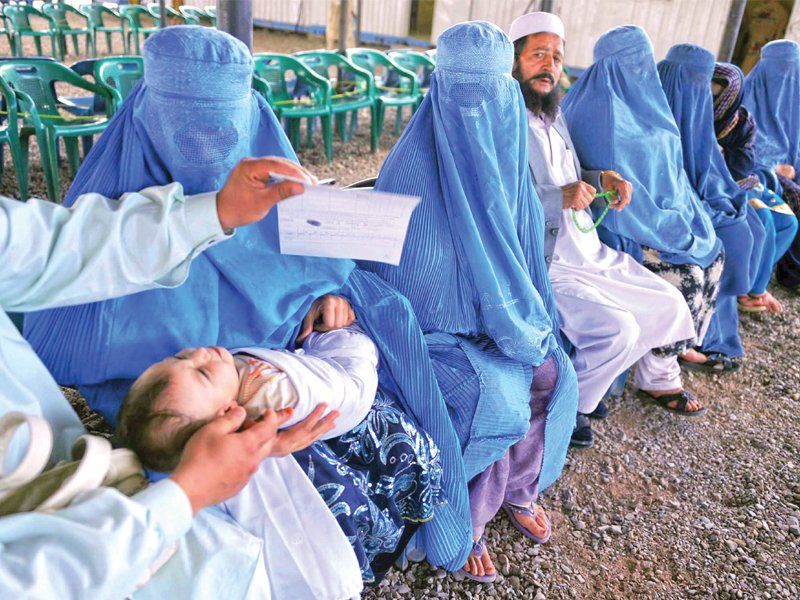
point(668, 22)
point(386, 17)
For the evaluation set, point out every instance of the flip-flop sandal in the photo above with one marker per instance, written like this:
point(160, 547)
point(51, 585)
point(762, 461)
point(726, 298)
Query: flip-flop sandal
point(682, 399)
point(530, 511)
point(751, 304)
point(715, 363)
point(477, 550)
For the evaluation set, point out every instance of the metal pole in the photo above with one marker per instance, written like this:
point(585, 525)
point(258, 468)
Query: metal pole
point(358, 22)
point(236, 17)
point(344, 15)
point(162, 13)
point(547, 6)
point(731, 33)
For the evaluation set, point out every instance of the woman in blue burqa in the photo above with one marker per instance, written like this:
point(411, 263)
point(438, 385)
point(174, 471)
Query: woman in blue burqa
point(771, 92)
point(735, 130)
point(190, 120)
point(473, 268)
point(617, 112)
point(686, 75)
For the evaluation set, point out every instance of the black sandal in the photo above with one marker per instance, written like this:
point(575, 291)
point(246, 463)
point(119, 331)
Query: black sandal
point(681, 398)
point(715, 363)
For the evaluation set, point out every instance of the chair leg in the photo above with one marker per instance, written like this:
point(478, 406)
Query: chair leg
point(108, 42)
point(327, 137)
point(340, 122)
point(309, 131)
point(87, 141)
point(20, 161)
point(294, 133)
point(398, 120)
point(73, 157)
point(38, 43)
point(58, 45)
point(75, 44)
point(373, 125)
point(48, 152)
point(353, 125)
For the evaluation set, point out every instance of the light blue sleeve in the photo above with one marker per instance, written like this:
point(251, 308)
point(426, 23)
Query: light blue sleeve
point(99, 547)
point(100, 248)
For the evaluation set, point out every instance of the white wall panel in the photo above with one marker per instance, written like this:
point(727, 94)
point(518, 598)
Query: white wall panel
point(668, 22)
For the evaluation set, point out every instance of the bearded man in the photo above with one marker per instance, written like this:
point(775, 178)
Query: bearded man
point(612, 309)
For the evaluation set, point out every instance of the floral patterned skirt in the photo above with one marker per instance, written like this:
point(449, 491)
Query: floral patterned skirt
point(698, 286)
point(379, 480)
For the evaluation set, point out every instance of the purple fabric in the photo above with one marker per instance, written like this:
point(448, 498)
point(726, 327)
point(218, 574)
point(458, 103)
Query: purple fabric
point(515, 477)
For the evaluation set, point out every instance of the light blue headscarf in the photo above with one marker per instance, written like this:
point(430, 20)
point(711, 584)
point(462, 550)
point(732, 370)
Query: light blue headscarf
point(771, 93)
point(191, 119)
point(473, 262)
point(686, 79)
point(619, 118)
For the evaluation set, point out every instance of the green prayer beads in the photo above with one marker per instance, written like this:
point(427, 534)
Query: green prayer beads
point(609, 201)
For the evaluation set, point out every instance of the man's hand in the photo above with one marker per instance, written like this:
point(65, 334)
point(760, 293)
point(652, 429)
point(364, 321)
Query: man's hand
point(613, 182)
point(219, 460)
point(328, 312)
point(247, 198)
point(578, 195)
point(786, 171)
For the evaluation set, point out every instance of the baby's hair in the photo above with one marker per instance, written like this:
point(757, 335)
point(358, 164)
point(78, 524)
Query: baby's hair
point(144, 429)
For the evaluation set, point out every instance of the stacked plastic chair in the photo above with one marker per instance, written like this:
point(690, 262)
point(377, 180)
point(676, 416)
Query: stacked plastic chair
point(353, 89)
point(292, 105)
point(397, 87)
point(18, 17)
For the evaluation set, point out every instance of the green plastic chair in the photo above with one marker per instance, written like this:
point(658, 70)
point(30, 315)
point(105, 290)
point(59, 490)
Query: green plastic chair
point(353, 89)
point(395, 87)
point(57, 13)
point(271, 74)
point(416, 62)
point(100, 18)
point(34, 81)
point(19, 18)
point(119, 74)
point(153, 9)
point(133, 14)
point(5, 32)
point(196, 16)
point(9, 134)
point(211, 11)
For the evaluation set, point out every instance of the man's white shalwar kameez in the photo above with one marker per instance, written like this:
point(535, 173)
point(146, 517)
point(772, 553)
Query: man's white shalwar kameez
point(612, 309)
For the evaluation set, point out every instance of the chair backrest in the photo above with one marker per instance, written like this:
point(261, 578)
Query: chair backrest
point(119, 72)
point(416, 62)
point(348, 74)
point(134, 14)
point(37, 78)
point(97, 13)
point(58, 11)
point(19, 15)
point(383, 67)
point(154, 10)
point(194, 15)
point(275, 68)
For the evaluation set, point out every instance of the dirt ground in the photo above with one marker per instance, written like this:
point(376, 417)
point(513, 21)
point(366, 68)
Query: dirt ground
point(662, 506)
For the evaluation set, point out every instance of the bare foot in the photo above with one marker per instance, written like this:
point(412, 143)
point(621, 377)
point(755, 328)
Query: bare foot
point(693, 356)
point(538, 526)
point(771, 303)
point(691, 405)
point(480, 566)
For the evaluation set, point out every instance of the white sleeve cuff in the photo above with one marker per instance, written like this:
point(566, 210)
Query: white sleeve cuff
point(202, 220)
point(169, 507)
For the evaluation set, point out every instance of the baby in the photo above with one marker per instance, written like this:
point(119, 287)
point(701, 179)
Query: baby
point(175, 397)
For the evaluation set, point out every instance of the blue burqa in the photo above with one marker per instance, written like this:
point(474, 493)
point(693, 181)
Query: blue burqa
point(771, 92)
point(686, 79)
point(619, 117)
point(473, 263)
point(191, 119)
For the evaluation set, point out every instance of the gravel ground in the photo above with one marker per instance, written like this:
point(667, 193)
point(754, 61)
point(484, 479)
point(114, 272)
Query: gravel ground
point(661, 507)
